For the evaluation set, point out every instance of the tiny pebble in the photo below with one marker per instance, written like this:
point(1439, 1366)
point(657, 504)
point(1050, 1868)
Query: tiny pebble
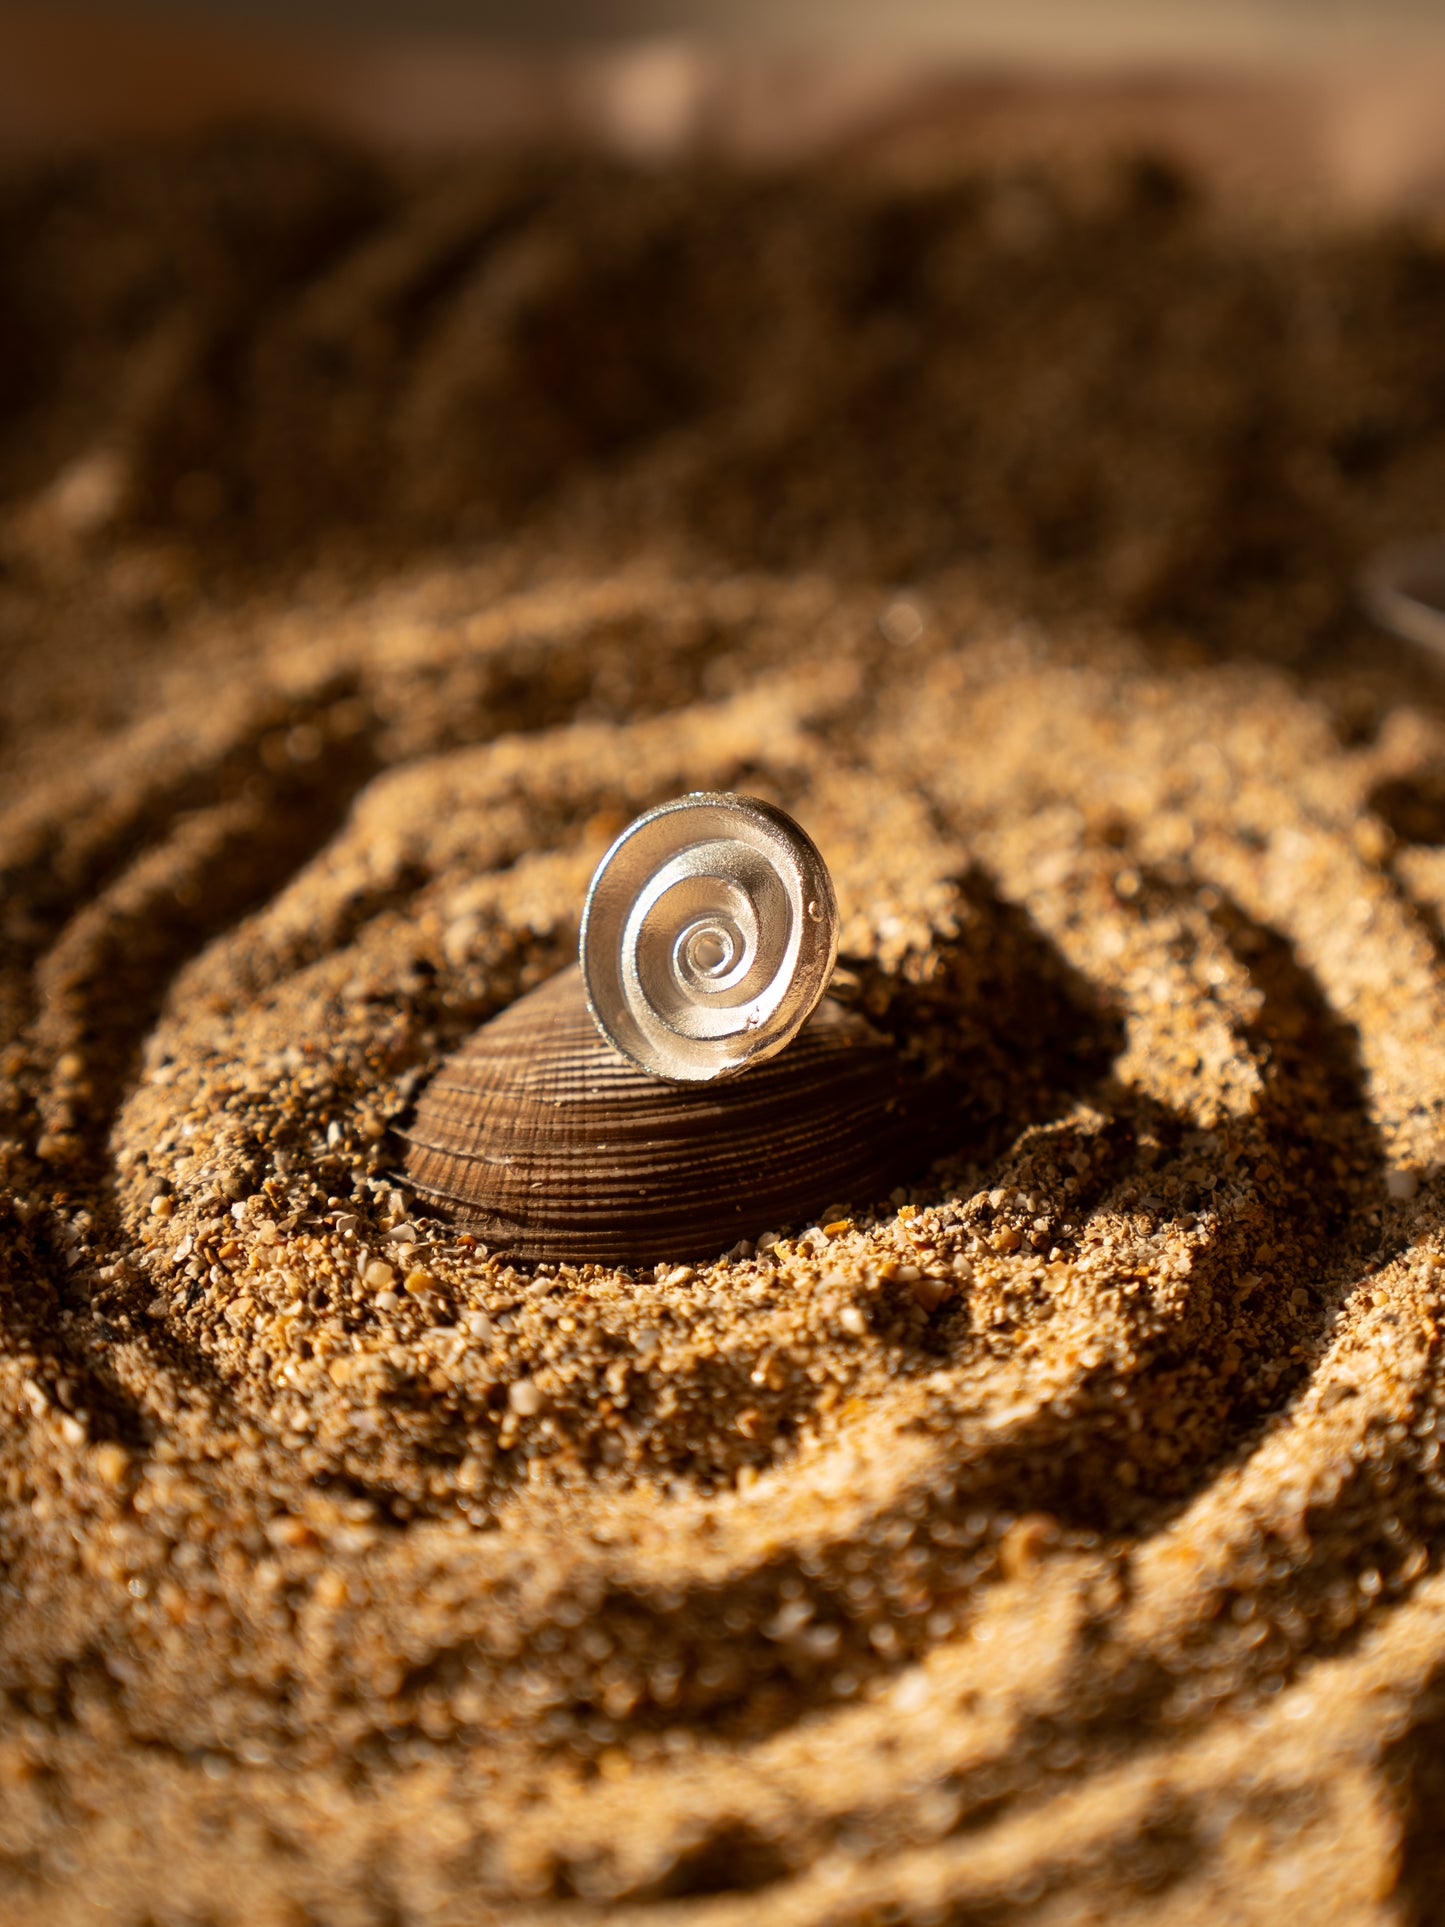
point(902, 622)
point(387, 1301)
point(162, 1207)
point(683, 1275)
point(331, 1589)
point(111, 1462)
point(478, 1324)
point(524, 1398)
point(853, 1320)
point(379, 1275)
point(930, 1290)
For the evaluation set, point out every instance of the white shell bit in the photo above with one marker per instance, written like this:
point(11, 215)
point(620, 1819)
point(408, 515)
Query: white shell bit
point(709, 934)
point(1404, 589)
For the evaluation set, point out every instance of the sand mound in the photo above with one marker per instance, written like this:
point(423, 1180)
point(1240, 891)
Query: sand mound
point(1053, 1540)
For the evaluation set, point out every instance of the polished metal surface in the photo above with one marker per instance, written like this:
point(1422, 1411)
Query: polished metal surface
point(709, 934)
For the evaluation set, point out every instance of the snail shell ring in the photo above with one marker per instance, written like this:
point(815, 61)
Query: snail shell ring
point(709, 935)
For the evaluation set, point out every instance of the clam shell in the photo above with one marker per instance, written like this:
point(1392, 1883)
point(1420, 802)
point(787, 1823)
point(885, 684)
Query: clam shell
point(551, 1143)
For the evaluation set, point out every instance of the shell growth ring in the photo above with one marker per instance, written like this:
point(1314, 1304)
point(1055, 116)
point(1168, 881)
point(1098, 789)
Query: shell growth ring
point(709, 934)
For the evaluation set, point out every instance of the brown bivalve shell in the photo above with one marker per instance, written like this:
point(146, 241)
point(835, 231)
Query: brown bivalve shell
point(553, 1145)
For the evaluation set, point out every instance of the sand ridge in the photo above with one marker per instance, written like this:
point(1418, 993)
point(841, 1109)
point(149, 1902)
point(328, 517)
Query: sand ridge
point(1055, 1538)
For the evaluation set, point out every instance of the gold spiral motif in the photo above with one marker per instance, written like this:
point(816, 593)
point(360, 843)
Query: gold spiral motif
point(709, 934)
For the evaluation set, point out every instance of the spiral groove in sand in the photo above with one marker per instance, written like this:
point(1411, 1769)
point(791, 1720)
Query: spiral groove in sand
point(1056, 1537)
point(794, 1502)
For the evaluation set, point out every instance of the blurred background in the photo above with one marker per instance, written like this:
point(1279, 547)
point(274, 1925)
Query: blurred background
point(1074, 30)
point(1342, 94)
point(332, 287)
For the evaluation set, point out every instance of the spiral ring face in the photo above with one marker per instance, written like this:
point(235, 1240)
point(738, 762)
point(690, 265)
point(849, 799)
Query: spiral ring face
point(709, 934)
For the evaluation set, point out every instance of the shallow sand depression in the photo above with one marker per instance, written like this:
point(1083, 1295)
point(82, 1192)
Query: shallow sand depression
point(1055, 1538)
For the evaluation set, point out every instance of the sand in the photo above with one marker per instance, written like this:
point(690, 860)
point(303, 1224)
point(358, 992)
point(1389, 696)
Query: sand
point(1057, 1539)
